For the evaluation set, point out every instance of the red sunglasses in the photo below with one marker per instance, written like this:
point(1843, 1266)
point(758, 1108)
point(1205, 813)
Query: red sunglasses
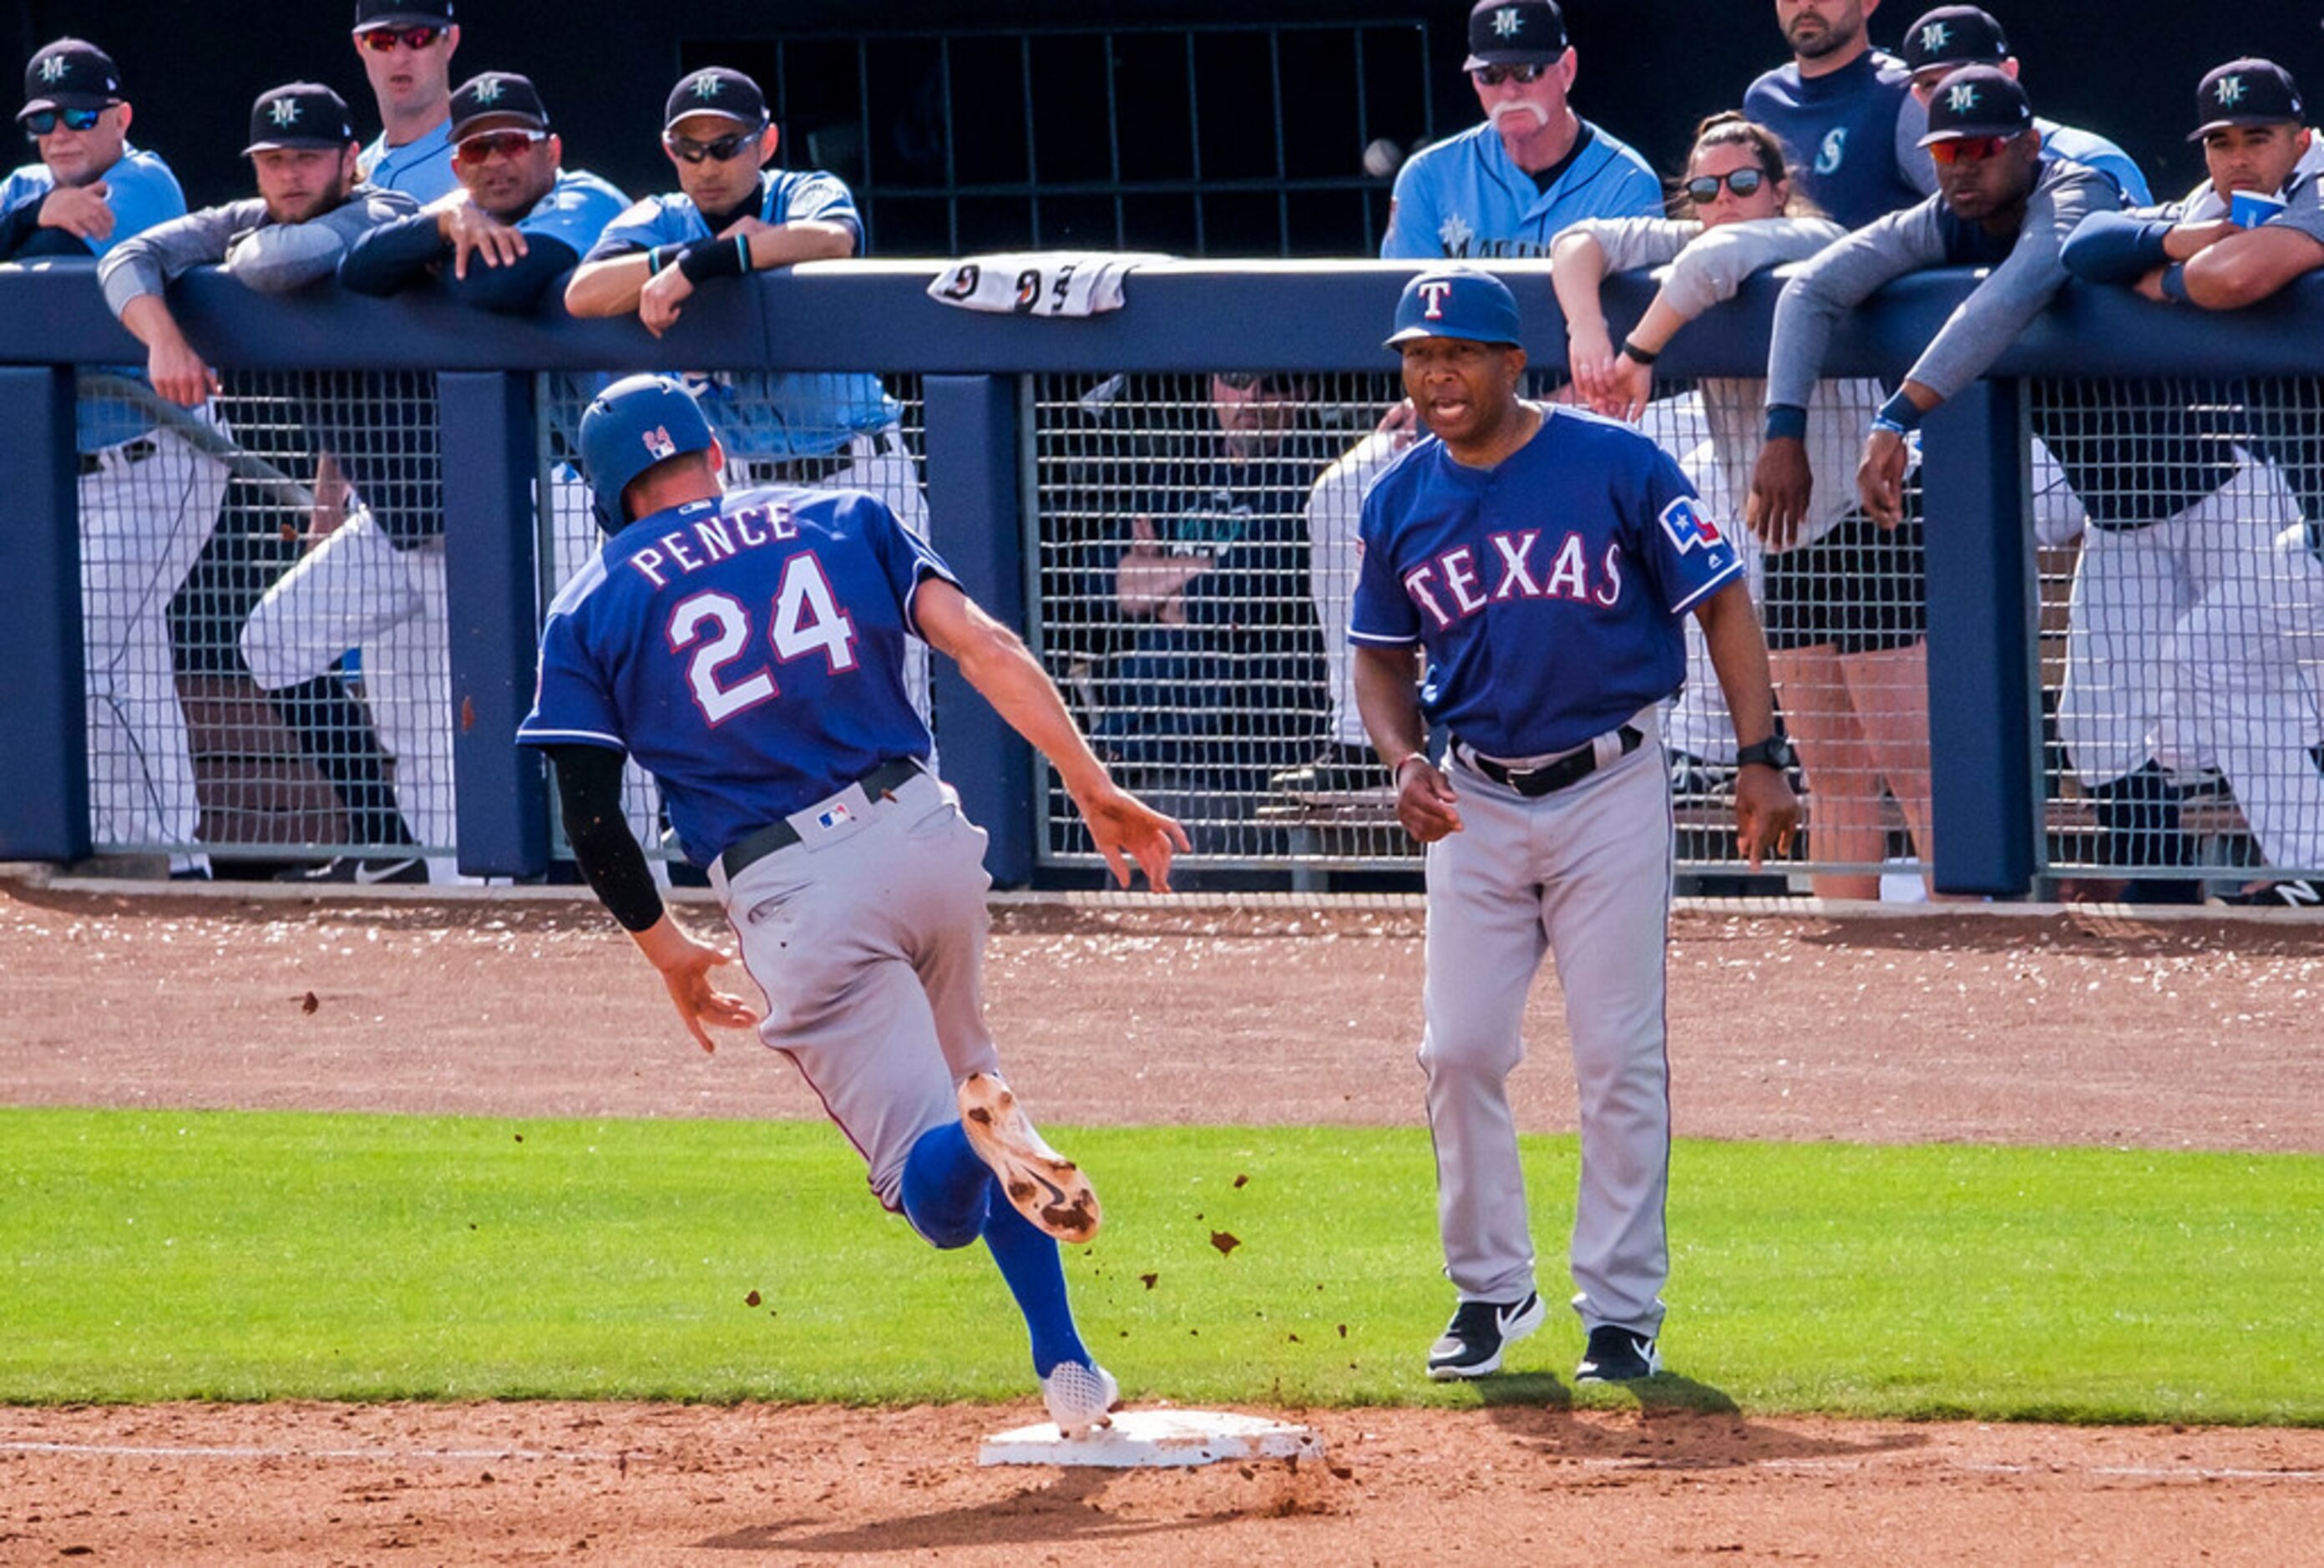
point(476, 152)
point(1968, 148)
point(380, 39)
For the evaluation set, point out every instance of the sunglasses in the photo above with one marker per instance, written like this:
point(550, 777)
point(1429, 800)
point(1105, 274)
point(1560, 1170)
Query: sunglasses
point(724, 150)
point(1968, 148)
point(380, 39)
point(1703, 188)
point(1493, 76)
point(476, 151)
point(44, 122)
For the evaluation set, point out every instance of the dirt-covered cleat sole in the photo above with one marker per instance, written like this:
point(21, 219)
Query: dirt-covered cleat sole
point(1040, 1182)
point(1081, 1399)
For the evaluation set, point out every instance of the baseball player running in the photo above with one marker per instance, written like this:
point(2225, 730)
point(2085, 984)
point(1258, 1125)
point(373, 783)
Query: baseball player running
point(148, 501)
point(1540, 557)
point(748, 647)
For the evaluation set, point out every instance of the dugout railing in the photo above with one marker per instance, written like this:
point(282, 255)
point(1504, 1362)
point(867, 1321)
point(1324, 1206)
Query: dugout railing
point(992, 397)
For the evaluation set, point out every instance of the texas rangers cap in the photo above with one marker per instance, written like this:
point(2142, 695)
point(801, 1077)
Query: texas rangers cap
point(69, 74)
point(1455, 303)
point(716, 90)
point(634, 424)
point(299, 115)
point(1977, 100)
point(497, 95)
point(2245, 92)
point(370, 14)
point(1514, 33)
point(1954, 35)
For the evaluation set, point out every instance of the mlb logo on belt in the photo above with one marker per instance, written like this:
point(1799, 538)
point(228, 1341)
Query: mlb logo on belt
point(838, 815)
point(1688, 527)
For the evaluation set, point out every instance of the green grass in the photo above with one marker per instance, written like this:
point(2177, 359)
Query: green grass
point(151, 1255)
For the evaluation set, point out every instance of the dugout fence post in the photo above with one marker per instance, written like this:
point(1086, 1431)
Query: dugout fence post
point(43, 721)
point(1983, 738)
point(491, 605)
point(975, 521)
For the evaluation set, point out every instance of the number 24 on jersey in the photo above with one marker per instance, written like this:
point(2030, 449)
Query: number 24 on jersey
point(804, 619)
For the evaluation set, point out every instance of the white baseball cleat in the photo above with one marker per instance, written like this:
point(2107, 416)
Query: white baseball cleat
point(1079, 1397)
point(1042, 1185)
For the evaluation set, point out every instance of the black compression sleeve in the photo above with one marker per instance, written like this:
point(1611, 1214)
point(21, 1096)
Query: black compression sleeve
point(589, 793)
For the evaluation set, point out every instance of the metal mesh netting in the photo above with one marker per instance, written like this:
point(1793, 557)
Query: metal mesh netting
point(2183, 627)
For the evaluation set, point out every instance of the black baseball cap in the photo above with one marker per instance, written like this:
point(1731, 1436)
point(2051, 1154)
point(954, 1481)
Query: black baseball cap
point(1514, 33)
point(1954, 35)
point(299, 115)
point(497, 95)
point(2245, 92)
point(716, 90)
point(70, 74)
point(370, 14)
point(1977, 100)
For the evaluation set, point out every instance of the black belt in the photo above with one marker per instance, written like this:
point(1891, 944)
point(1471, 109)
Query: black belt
point(755, 847)
point(1569, 769)
point(135, 451)
point(807, 470)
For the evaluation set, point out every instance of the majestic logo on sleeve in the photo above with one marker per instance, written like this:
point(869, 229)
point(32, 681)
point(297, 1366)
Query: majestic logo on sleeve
point(1934, 37)
point(659, 443)
point(285, 112)
point(1507, 23)
point(52, 69)
point(1961, 100)
point(1688, 529)
point(2230, 91)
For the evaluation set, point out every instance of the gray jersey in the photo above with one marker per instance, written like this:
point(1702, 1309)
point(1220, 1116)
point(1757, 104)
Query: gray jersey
point(273, 258)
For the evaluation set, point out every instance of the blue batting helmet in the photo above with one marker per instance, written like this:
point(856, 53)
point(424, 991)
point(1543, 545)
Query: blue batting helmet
point(634, 424)
point(1455, 303)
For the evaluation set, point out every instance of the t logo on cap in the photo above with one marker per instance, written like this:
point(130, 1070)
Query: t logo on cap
point(1434, 290)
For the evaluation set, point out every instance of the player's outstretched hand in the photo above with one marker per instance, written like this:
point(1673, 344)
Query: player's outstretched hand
point(1781, 486)
point(1125, 828)
point(686, 965)
point(1766, 813)
point(1425, 801)
point(1880, 477)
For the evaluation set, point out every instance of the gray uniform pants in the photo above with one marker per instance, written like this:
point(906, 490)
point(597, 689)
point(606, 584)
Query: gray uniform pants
point(1583, 874)
point(868, 939)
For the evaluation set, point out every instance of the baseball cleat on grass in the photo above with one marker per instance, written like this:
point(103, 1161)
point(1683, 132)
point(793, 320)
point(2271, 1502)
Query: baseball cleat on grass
point(1472, 1342)
point(1040, 1183)
point(1081, 1399)
point(1615, 1355)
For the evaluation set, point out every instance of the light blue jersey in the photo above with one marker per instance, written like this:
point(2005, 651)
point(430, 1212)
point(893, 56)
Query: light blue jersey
point(141, 192)
point(2092, 151)
point(421, 169)
point(766, 417)
point(577, 211)
point(1464, 197)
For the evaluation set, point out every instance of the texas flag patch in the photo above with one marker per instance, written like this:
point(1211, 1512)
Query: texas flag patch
point(1688, 527)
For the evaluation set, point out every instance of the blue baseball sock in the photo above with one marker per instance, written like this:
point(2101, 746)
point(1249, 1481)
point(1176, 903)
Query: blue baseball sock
point(946, 1188)
point(1029, 1261)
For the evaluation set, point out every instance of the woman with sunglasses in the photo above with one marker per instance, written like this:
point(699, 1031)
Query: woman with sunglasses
point(1840, 598)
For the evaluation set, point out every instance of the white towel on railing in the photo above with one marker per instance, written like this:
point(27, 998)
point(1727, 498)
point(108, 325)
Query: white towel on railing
point(1040, 282)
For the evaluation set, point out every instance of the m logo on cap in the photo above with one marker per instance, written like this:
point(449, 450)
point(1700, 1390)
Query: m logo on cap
point(707, 87)
point(52, 69)
point(488, 91)
point(659, 443)
point(1507, 23)
point(1433, 292)
point(285, 112)
point(1935, 36)
point(1960, 100)
point(2231, 90)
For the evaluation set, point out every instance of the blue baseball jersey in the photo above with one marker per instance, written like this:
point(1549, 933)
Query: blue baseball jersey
point(1546, 590)
point(2092, 151)
point(576, 211)
point(141, 192)
point(1840, 131)
point(421, 168)
point(747, 651)
point(764, 417)
point(1464, 197)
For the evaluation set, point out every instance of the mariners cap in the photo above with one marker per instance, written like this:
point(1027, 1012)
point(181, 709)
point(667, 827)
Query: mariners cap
point(1514, 33)
point(1977, 100)
point(634, 424)
point(299, 115)
point(2246, 92)
point(370, 14)
point(1455, 303)
point(1954, 35)
point(716, 90)
point(69, 74)
point(497, 95)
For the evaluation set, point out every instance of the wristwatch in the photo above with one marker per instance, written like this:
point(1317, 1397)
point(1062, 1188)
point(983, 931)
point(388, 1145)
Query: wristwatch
point(1775, 751)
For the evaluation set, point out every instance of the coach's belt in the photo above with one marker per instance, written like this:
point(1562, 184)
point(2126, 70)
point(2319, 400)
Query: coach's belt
point(1550, 777)
point(808, 470)
point(135, 451)
point(753, 847)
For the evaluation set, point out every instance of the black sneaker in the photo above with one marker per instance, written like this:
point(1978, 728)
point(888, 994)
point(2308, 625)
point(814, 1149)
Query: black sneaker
point(1480, 1331)
point(1615, 1355)
point(2295, 894)
point(348, 868)
point(1340, 773)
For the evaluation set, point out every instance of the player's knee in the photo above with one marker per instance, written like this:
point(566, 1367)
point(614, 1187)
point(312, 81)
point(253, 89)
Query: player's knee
point(1469, 1053)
